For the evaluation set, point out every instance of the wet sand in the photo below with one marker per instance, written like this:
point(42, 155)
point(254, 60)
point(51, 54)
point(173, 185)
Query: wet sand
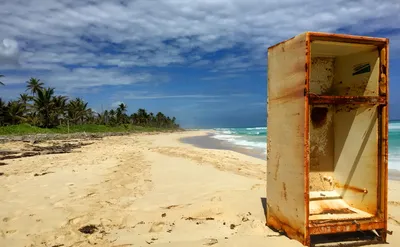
point(208, 142)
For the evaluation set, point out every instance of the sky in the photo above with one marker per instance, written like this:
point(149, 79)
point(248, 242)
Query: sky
point(203, 62)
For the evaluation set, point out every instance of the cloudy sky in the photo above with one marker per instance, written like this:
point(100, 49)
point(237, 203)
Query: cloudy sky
point(201, 61)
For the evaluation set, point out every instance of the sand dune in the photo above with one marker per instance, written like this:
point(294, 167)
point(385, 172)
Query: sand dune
point(141, 190)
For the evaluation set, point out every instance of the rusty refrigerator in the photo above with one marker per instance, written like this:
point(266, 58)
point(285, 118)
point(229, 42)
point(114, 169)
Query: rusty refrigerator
point(327, 150)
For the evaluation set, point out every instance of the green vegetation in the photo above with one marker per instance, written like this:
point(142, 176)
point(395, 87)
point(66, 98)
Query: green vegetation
point(25, 129)
point(41, 111)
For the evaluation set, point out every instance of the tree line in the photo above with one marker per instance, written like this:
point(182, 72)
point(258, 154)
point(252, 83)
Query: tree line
point(42, 107)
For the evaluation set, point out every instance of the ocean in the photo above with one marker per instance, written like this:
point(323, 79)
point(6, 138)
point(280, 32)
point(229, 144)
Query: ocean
point(255, 139)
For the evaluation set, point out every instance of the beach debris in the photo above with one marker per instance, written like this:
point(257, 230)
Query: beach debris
point(397, 222)
point(33, 150)
point(211, 241)
point(163, 215)
point(6, 152)
point(58, 245)
point(88, 229)
point(244, 219)
point(193, 218)
point(232, 226)
point(3, 164)
point(41, 174)
point(151, 241)
point(1, 173)
point(63, 148)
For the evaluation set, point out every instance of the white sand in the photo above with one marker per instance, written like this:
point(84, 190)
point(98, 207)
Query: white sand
point(142, 190)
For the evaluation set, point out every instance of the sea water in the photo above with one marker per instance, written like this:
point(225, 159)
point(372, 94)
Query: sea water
point(255, 138)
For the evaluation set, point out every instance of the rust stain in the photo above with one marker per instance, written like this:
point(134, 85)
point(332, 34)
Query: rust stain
point(348, 38)
point(339, 227)
point(282, 224)
point(284, 191)
point(352, 188)
point(306, 168)
point(277, 167)
point(334, 211)
point(372, 100)
point(383, 72)
point(346, 108)
point(383, 166)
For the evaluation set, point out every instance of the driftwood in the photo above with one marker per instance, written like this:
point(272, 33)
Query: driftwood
point(33, 150)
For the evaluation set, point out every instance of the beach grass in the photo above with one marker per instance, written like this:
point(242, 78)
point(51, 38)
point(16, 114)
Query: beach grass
point(26, 129)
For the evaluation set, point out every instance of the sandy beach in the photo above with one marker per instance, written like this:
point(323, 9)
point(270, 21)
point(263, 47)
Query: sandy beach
point(141, 190)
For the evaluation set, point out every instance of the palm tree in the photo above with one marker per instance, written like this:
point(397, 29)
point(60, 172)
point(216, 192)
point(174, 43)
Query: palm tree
point(160, 119)
point(77, 110)
point(3, 112)
point(142, 116)
point(123, 107)
point(121, 113)
point(34, 85)
point(1, 83)
point(60, 107)
point(112, 115)
point(152, 119)
point(16, 112)
point(134, 119)
point(24, 98)
point(45, 105)
point(103, 117)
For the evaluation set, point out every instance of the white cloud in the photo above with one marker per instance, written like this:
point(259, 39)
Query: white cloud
point(137, 95)
point(205, 98)
point(68, 80)
point(52, 34)
point(9, 52)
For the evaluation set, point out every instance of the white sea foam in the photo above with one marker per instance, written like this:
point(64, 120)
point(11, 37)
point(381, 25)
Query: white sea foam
point(257, 128)
point(394, 126)
point(248, 141)
point(239, 140)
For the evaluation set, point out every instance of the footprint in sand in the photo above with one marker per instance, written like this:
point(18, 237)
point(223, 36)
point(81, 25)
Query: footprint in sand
point(157, 227)
point(75, 220)
point(256, 186)
point(216, 198)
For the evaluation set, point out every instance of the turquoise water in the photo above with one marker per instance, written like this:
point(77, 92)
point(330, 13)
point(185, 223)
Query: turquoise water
point(255, 138)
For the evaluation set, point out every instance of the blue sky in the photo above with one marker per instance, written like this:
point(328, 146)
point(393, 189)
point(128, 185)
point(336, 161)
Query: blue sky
point(201, 61)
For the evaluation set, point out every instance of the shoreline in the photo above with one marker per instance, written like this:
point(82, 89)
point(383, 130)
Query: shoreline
point(206, 141)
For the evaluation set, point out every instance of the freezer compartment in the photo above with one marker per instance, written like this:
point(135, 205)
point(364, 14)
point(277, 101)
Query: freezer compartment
point(344, 69)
